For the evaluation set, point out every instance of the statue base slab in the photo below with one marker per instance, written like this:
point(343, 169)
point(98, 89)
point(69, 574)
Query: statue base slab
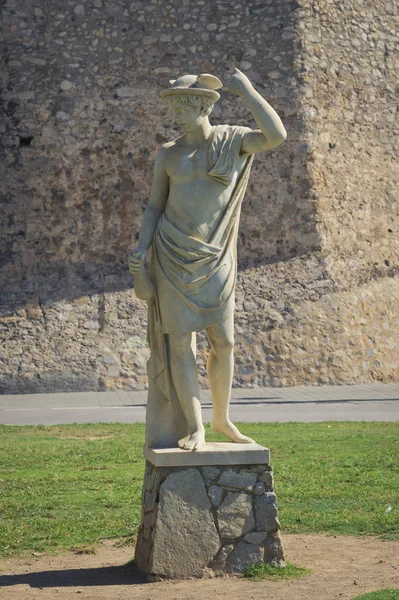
point(208, 512)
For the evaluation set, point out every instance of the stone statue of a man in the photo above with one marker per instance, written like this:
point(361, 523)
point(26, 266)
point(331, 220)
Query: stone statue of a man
point(191, 223)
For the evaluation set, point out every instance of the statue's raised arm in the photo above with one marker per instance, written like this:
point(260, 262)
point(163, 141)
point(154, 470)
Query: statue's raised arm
point(271, 131)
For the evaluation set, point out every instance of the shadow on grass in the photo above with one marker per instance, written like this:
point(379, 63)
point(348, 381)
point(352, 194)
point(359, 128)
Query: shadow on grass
point(118, 575)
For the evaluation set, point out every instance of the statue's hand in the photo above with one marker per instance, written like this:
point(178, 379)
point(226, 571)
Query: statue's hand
point(135, 260)
point(238, 83)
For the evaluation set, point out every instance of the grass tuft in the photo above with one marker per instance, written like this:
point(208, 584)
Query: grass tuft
point(380, 595)
point(84, 549)
point(128, 540)
point(265, 571)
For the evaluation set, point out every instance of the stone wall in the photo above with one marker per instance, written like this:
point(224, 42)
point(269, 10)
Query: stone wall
point(81, 124)
point(349, 105)
point(317, 334)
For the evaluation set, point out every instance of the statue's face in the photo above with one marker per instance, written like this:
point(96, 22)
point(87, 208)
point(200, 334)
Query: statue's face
point(187, 117)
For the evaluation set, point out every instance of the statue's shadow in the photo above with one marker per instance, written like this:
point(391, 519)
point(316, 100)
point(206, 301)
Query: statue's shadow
point(115, 575)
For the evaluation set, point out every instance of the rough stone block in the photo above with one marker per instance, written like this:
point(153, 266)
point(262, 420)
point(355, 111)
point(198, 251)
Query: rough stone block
point(211, 473)
point(186, 539)
point(215, 494)
point(220, 561)
point(259, 488)
point(243, 556)
point(274, 553)
point(255, 537)
point(266, 478)
point(243, 480)
point(149, 501)
point(266, 512)
point(236, 515)
point(259, 469)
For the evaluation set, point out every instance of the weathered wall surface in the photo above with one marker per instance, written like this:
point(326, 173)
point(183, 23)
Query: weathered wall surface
point(349, 104)
point(85, 119)
point(82, 121)
point(318, 335)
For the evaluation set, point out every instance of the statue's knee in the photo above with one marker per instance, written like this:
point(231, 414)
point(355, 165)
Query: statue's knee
point(224, 346)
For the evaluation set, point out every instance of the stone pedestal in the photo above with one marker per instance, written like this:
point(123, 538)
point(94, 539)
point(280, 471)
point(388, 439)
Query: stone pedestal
point(210, 510)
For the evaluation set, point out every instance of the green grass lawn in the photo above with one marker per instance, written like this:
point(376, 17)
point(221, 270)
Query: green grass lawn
point(380, 595)
point(69, 486)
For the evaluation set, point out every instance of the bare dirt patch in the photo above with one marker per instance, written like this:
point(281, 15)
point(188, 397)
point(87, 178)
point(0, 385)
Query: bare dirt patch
point(342, 567)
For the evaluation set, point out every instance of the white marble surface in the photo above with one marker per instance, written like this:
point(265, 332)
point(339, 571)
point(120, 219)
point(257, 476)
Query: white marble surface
point(214, 453)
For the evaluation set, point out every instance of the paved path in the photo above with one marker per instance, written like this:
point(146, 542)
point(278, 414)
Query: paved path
point(365, 402)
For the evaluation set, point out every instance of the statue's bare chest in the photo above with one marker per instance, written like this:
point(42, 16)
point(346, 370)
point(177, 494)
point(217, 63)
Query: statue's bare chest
point(187, 164)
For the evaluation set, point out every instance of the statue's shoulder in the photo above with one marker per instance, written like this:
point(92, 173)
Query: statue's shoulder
point(230, 130)
point(164, 152)
point(227, 138)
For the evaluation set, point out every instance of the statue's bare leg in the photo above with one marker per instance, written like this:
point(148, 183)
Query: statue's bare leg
point(185, 380)
point(220, 368)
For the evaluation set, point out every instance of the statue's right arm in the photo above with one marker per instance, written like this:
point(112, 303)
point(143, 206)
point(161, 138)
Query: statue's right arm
point(155, 208)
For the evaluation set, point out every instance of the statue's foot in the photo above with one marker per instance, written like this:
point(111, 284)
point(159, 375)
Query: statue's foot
point(195, 442)
point(227, 428)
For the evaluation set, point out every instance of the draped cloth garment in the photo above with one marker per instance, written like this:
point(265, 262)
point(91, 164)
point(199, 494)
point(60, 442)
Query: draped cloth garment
point(194, 279)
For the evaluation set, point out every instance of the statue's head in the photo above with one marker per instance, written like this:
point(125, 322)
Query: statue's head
point(191, 99)
point(201, 104)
